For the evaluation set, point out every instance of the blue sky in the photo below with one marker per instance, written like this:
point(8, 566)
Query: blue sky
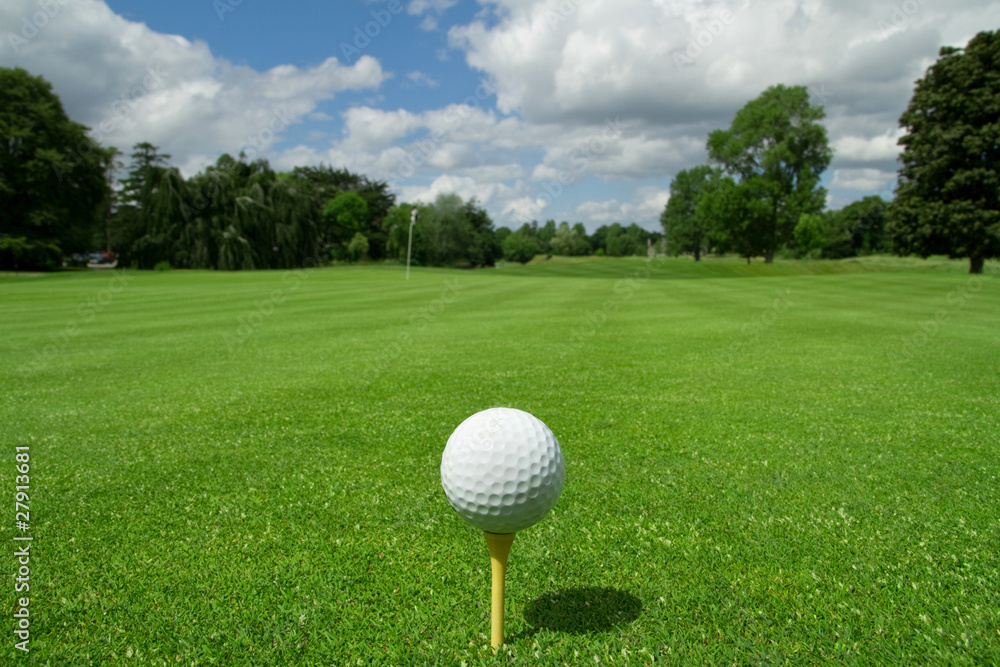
point(579, 110)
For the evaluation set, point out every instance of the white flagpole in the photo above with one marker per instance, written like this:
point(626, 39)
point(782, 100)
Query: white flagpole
point(409, 245)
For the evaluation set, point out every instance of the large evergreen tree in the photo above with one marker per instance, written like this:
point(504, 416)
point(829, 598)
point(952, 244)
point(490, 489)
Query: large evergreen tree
point(948, 193)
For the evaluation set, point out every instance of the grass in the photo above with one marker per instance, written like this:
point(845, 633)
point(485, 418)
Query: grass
point(242, 468)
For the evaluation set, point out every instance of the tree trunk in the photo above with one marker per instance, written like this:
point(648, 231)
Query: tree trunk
point(769, 257)
point(697, 254)
point(976, 264)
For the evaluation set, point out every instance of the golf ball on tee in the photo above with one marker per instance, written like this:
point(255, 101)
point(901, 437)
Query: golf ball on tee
point(502, 470)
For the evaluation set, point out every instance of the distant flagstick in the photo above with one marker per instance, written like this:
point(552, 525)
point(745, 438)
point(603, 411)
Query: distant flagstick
point(409, 245)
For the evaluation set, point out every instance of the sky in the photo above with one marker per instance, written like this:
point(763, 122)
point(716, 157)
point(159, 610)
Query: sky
point(577, 110)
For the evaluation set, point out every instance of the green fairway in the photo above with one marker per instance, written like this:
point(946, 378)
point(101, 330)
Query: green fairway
point(794, 463)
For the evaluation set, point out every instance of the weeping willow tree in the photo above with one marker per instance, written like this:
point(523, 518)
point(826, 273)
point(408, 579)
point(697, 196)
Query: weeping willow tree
point(244, 217)
point(233, 216)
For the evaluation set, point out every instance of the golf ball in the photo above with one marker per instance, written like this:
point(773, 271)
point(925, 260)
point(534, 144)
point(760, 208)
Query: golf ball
point(502, 470)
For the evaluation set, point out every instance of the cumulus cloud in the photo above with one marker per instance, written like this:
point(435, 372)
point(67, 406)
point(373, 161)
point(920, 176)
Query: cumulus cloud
point(591, 96)
point(131, 84)
point(606, 212)
point(420, 78)
point(672, 71)
point(868, 180)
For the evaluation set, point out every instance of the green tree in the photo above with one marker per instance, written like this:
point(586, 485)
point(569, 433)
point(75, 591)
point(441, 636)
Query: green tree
point(857, 229)
point(810, 233)
point(686, 231)
point(740, 216)
point(774, 151)
point(948, 192)
point(545, 234)
point(484, 247)
point(344, 216)
point(454, 233)
point(397, 227)
point(136, 233)
point(582, 240)
point(568, 241)
point(324, 183)
point(520, 247)
point(357, 247)
point(53, 178)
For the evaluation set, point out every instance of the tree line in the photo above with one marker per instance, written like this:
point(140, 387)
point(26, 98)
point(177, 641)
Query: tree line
point(760, 192)
point(60, 196)
point(759, 195)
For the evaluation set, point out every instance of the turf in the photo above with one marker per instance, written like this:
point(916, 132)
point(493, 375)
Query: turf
point(798, 466)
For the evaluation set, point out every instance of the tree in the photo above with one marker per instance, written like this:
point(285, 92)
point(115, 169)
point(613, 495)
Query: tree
point(235, 215)
point(686, 231)
point(856, 229)
point(344, 216)
point(948, 192)
point(545, 234)
point(583, 244)
point(774, 151)
point(134, 233)
point(324, 183)
point(451, 232)
point(484, 247)
point(53, 184)
point(740, 215)
point(397, 226)
point(358, 247)
point(568, 241)
point(520, 247)
point(810, 233)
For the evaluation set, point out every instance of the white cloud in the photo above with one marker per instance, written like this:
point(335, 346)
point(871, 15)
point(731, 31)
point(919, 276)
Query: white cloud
point(664, 73)
point(367, 129)
point(605, 212)
point(650, 202)
point(674, 70)
point(868, 180)
point(864, 149)
point(131, 84)
point(418, 7)
point(421, 78)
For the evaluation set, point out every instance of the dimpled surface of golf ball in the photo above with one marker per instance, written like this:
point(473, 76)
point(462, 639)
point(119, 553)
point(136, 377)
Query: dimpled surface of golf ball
point(502, 470)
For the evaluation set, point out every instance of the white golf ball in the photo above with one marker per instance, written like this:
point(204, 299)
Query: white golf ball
point(502, 470)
